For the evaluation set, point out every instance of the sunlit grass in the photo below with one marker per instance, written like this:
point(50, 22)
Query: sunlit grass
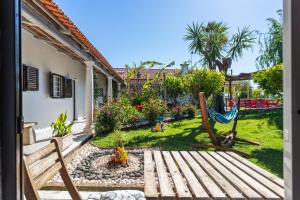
point(264, 128)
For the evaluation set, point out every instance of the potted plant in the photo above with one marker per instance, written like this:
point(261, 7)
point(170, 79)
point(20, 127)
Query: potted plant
point(62, 131)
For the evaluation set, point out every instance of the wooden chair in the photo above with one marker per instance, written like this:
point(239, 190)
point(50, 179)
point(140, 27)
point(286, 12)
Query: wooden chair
point(41, 166)
point(218, 142)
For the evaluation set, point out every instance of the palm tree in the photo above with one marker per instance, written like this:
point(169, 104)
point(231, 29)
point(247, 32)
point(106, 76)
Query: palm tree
point(215, 46)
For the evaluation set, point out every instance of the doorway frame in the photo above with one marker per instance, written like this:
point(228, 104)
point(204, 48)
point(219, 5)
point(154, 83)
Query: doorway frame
point(11, 120)
point(11, 98)
point(291, 86)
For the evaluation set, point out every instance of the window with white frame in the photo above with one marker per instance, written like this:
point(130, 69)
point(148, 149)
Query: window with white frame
point(56, 86)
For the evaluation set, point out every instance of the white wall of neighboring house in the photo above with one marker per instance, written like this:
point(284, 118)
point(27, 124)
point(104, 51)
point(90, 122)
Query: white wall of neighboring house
point(38, 106)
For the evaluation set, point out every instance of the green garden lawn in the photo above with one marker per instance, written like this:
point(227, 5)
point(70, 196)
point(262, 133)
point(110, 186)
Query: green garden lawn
point(265, 128)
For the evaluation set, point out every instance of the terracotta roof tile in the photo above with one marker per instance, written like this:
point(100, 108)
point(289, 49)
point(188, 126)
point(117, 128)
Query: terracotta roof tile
point(62, 18)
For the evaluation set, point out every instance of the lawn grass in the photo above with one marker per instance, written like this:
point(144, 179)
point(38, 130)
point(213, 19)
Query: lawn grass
point(265, 128)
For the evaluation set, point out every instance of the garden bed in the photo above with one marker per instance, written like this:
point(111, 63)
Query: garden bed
point(90, 166)
point(145, 123)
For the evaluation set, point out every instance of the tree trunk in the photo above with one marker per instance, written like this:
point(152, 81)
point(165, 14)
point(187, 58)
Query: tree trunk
point(219, 103)
point(219, 99)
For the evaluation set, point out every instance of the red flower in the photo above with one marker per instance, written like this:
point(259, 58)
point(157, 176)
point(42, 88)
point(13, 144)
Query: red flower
point(139, 107)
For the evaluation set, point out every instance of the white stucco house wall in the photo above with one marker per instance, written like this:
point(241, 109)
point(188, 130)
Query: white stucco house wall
point(60, 66)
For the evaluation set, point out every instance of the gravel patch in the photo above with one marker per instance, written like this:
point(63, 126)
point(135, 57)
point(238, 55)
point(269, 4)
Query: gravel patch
point(90, 166)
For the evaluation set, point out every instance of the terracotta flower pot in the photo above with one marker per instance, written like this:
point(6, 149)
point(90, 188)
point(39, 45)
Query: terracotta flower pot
point(65, 141)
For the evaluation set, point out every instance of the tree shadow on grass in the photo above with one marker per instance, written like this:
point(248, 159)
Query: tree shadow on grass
point(271, 159)
point(173, 142)
point(274, 117)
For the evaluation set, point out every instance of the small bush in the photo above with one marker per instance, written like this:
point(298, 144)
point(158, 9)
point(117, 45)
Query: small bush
point(177, 112)
point(153, 108)
point(112, 116)
point(137, 99)
point(130, 113)
point(109, 118)
point(189, 110)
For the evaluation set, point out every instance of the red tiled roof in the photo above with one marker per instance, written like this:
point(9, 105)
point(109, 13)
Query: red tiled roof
point(59, 14)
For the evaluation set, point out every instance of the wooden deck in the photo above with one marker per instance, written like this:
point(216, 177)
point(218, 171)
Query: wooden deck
point(207, 175)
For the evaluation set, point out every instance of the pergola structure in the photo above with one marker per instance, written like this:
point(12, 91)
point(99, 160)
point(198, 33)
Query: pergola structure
point(240, 77)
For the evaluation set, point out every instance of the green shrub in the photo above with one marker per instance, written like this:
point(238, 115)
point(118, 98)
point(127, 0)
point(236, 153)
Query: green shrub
point(109, 118)
point(176, 112)
point(189, 110)
point(204, 80)
point(211, 101)
point(174, 87)
point(147, 93)
point(130, 114)
point(153, 108)
point(137, 99)
point(258, 93)
point(270, 80)
point(112, 116)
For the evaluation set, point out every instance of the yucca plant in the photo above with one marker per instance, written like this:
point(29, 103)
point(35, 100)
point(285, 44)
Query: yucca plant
point(60, 126)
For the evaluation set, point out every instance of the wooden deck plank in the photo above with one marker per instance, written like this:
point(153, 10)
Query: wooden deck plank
point(150, 187)
point(164, 183)
point(195, 186)
point(254, 184)
point(235, 180)
point(213, 189)
point(262, 179)
point(231, 191)
point(263, 172)
point(181, 187)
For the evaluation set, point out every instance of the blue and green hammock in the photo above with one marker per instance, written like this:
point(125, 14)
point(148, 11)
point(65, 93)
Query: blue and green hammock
point(223, 118)
point(221, 142)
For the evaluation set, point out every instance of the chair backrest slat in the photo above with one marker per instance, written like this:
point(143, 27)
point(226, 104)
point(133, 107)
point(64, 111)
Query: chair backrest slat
point(43, 165)
point(40, 181)
point(40, 154)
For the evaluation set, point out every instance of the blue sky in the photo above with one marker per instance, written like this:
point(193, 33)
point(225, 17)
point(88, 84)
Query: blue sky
point(140, 30)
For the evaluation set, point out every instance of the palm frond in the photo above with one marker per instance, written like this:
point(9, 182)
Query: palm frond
point(170, 64)
point(194, 34)
point(208, 41)
point(242, 40)
point(152, 63)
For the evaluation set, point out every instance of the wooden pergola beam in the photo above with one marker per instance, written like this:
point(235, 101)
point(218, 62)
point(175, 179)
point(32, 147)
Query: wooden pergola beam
point(240, 77)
